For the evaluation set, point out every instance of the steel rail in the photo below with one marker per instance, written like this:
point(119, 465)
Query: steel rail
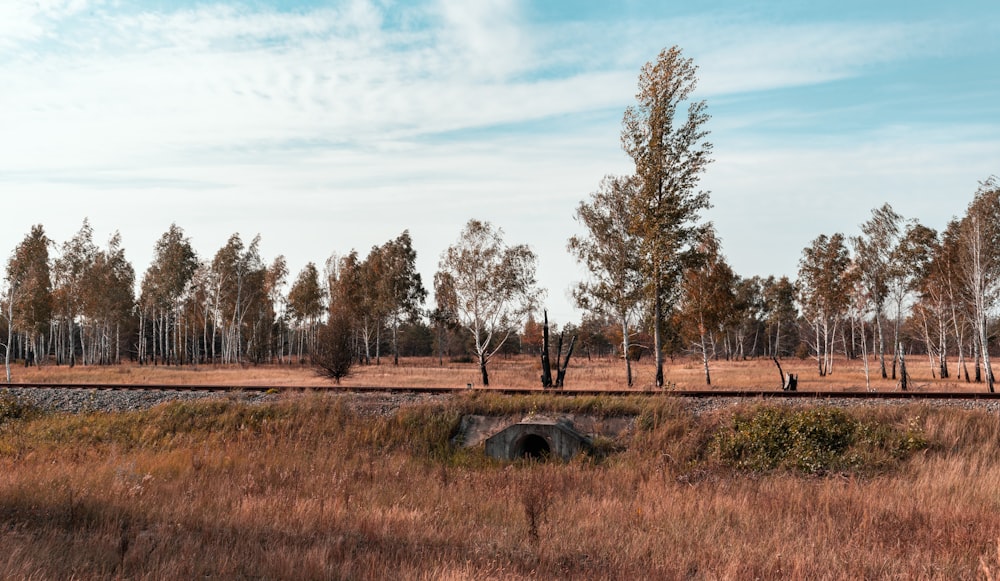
point(847, 393)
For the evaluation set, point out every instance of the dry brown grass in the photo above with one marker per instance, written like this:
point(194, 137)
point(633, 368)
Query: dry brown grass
point(583, 374)
point(306, 489)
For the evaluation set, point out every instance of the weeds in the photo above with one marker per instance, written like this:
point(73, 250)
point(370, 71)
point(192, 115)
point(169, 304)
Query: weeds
point(307, 489)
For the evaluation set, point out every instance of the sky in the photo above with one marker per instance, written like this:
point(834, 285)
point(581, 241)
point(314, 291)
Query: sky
point(331, 126)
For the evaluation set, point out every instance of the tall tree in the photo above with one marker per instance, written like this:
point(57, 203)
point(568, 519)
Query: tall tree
point(70, 270)
point(272, 309)
point(780, 311)
point(980, 263)
point(824, 291)
point(609, 251)
point(493, 287)
point(874, 252)
point(305, 304)
point(401, 290)
point(748, 312)
point(162, 292)
point(444, 317)
point(108, 294)
point(707, 300)
point(670, 151)
point(353, 295)
point(942, 302)
point(911, 260)
point(29, 293)
point(240, 275)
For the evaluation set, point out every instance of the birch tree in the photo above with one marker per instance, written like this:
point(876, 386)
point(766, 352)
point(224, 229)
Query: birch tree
point(670, 151)
point(108, 303)
point(824, 293)
point(707, 300)
point(980, 263)
point(610, 252)
point(240, 275)
point(69, 271)
point(305, 304)
point(874, 252)
point(444, 317)
point(30, 293)
point(780, 311)
point(493, 286)
point(163, 290)
point(401, 290)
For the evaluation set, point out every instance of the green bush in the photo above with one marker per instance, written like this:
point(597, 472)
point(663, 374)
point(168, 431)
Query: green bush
point(813, 441)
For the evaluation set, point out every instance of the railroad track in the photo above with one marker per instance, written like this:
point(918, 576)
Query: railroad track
point(735, 394)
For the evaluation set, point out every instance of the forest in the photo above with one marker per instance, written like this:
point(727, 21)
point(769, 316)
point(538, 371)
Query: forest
point(658, 286)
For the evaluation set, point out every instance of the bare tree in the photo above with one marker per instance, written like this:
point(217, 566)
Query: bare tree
point(493, 285)
point(669, 160)
point(610, 251)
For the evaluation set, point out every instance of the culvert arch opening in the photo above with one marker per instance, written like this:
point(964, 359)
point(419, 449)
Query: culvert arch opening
point(532, 446)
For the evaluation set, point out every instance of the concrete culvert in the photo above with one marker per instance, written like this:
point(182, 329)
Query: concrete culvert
point(538, 439)
point(532, 446)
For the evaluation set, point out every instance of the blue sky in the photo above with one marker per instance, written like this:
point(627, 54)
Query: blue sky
point(327, 126)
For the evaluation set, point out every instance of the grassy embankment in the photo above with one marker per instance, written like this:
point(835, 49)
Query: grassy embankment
point(307, 489)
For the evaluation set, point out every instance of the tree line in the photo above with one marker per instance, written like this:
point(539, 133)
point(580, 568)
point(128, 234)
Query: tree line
point(657, 272)
point(658, 283)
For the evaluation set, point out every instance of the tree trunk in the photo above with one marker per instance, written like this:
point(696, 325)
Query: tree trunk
point(985, 351)
point(10, 332)
point(903, 379)
point(625, 351)
point(881, 345)
point(546, 365)
point(704, 354)
point(482, 369)
point(657, 334)
point(864, 356)
point(395, 343)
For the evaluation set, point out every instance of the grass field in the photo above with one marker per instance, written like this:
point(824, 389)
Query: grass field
point(305, 488)
point(521, 371)
point(308, 488)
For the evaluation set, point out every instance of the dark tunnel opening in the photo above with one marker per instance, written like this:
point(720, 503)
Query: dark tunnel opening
point(533, 446)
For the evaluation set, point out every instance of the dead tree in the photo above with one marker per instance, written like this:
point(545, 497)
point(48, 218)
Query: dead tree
point(546, 366)
point(789, 382)
point(561, 369)
point(561, 364)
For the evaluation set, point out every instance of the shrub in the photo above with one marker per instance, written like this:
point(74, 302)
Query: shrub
point(334, 353)
point(813, 441)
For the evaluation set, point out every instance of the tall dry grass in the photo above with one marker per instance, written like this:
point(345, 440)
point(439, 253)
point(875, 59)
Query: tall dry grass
point(308, 489)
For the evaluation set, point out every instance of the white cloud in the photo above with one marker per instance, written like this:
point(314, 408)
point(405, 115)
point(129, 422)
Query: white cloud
point(338, 127)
